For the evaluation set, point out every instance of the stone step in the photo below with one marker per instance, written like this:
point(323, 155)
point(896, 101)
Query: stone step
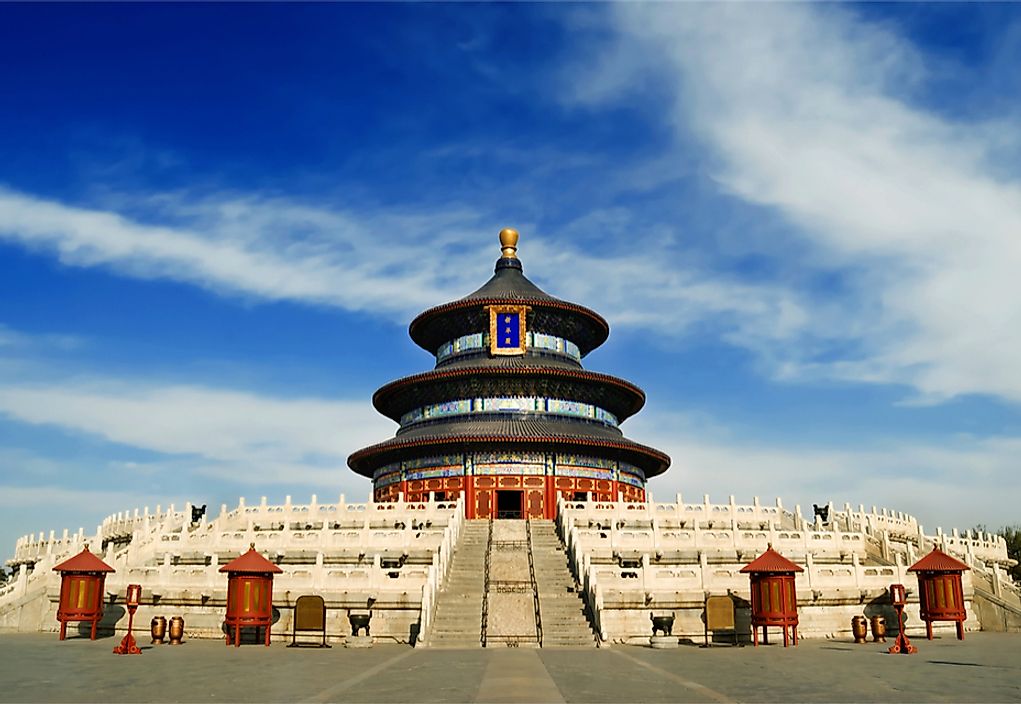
point(565, 629)
point(459, 610)
point(561, 609)
point(561, 623)
point(567, 601)
point(469, 637)
point(460, 626)
point(562, 635)
point(557, 629)
point(467, 630)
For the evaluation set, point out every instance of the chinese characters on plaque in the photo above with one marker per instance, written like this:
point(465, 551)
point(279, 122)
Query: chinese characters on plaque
point(507, 329)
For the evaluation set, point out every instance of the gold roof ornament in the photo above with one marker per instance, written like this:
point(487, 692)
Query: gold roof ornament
point(509, 243)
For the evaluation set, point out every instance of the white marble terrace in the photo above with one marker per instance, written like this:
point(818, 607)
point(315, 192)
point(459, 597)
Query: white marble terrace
point(392, 556)
point(632, 559)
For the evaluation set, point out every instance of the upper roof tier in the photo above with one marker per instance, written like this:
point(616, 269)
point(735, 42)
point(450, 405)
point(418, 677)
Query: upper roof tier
point(550, 315)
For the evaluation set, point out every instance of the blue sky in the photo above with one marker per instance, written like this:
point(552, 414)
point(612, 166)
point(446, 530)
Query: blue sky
point(801, 221)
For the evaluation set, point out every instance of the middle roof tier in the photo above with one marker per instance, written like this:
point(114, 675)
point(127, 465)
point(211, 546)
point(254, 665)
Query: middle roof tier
point(621, 398)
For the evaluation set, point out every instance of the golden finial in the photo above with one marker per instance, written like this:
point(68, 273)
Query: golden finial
point(509, 243)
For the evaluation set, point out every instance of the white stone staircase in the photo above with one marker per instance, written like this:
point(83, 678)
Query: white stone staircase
point(458, 619)
point(562, 611)
point(509, 585)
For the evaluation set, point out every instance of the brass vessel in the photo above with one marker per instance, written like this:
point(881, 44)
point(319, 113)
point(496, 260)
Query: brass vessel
point(859, 627)
point(878, 629)
point(176, 630)
point(158, 629)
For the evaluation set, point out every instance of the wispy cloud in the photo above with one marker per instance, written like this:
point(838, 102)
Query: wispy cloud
point(802, 109)
point(263, 247)
point(945, 481)
point(50, 498)
point(389, 264)
point(240, 436)
point(16, 341)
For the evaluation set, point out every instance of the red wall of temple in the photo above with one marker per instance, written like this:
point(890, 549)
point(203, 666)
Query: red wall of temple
point(538, 493)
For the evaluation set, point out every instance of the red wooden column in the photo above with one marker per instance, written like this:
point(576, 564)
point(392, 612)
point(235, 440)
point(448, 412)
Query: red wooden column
point(773, 595)
point(82, 579)
point(249, 594)
point(940, 591)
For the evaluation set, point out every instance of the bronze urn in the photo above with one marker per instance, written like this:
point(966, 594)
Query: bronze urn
point(878, 629)
point(176, 630)
point(859, 628)
point(158, 629)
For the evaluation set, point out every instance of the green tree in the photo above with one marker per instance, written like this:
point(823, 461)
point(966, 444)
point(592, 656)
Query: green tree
point(1011, 534)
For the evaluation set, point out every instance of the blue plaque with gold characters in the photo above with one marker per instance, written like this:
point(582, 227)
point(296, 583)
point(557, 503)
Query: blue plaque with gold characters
point(507, 329)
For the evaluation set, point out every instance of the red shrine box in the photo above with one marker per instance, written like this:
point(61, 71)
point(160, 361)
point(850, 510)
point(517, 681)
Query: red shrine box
point(82, 579)
point(940, 593)
point(249, 594)
point(773, 597)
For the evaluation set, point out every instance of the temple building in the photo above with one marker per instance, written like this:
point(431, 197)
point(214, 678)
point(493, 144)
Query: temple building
point(509, 418)
point(509, 424)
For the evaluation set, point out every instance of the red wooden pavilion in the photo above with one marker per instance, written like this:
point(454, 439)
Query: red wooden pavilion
point(940, 590)
point(773, 596)
point(249, 594)
point(82, 579)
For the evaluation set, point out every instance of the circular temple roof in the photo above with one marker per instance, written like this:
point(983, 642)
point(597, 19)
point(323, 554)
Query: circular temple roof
point(582, 326)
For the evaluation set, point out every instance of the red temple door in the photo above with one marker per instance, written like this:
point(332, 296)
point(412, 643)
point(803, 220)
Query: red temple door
point(535, 503)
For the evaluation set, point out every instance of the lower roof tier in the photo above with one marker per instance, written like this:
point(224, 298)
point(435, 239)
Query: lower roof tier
point(506, 432)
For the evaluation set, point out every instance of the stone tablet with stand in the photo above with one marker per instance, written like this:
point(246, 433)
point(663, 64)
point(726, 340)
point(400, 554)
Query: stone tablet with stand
point(719, 616)
point(309, 617)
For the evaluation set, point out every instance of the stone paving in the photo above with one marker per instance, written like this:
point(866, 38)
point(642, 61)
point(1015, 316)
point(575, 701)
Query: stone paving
point(38, 668)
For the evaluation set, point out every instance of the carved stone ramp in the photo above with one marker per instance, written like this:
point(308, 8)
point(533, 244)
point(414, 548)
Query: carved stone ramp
point(510, 616)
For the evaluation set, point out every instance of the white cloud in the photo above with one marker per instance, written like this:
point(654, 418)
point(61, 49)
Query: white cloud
point(180, 443)
point(15, 340)
point(395, 265)
point(268, 248)
point(236, 435)
point(944, 482)
point(803, 110)
point(52, 498)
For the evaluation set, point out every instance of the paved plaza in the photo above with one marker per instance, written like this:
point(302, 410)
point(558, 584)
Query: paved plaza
point(38, 668)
